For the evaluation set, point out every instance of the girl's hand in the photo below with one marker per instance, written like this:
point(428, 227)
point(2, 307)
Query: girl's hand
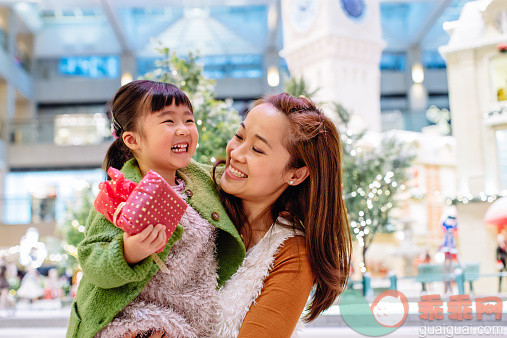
point(138, 247)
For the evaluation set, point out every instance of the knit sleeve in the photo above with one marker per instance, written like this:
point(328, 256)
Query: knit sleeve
point(100, 255)
point(278, 308)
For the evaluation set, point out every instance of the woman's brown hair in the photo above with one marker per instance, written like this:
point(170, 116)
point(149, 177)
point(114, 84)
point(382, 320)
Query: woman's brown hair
point(315, 206)
point(129, 104)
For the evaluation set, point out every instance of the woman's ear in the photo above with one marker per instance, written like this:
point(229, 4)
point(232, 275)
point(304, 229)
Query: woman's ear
point(298, 175)
point(131, 140)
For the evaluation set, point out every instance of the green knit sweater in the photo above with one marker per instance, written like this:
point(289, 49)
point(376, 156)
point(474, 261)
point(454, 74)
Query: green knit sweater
point(109, 283)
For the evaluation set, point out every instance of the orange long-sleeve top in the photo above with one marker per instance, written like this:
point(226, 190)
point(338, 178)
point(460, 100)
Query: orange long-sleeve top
point(278, 308)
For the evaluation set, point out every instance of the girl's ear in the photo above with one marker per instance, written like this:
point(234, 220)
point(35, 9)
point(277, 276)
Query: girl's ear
point(131, 140)
point(298, 175)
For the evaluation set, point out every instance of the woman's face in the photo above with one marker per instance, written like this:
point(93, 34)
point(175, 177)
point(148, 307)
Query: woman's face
point(257, 159)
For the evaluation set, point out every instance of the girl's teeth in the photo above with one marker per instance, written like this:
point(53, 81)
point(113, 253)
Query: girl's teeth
point(179, 148)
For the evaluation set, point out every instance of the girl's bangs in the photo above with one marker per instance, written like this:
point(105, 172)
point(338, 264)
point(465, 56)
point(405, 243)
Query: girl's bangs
point(165, 94)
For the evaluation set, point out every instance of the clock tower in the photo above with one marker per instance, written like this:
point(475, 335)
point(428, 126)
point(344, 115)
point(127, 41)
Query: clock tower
point(336, 46)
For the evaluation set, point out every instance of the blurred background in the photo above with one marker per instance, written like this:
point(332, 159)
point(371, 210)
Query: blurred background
point(417, 88)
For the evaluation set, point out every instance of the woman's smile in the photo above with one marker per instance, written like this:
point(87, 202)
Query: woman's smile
point(235, 173)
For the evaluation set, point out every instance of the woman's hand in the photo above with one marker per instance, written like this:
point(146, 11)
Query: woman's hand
point(138, 247)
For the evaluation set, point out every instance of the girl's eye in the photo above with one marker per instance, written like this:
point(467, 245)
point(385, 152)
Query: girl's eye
point(238, 137)
point(169, 121)
point(257, 150)
point(190, 121)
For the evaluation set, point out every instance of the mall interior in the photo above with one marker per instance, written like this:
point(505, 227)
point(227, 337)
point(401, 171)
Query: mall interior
point(430, 73)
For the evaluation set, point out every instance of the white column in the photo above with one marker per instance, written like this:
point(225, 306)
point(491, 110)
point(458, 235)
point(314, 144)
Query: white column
point(417, 93)
point(477, 243)
point(272, 81)
point(128, 65)
point(467, 121)
point(7, 109)
point(340, 56)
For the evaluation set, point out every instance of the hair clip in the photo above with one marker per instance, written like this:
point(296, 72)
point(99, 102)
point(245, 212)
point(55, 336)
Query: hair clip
point(114, 124)
point(113, 132)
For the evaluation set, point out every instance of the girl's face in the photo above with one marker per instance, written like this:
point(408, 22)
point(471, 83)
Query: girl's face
point(168, 139)
point(257, 159)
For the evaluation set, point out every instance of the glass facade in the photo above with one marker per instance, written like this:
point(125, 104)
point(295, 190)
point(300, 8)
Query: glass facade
point(218, 66)
point(34, 197)
point(90, 66)
point(393, 61)
point(431, 59)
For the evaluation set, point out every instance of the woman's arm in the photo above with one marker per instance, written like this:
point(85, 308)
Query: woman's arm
point(276, 311)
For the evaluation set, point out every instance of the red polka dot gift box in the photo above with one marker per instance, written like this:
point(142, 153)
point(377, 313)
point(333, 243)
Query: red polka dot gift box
point(132, 207)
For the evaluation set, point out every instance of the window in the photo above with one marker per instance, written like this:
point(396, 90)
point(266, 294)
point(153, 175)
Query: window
point(433, 60)
point(393, 61)
point(501, 22)
point(90, 66)
point(3, 38)
point(501, 144)
point(38, 197)
point(218, 66)
point(499, 77)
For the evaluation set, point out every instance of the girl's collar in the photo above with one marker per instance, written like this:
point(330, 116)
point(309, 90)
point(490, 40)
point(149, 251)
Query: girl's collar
point(180, 185)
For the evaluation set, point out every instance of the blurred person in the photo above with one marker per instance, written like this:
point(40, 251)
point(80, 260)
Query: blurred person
point(501, 257)
point(282, 187)
point(448, 246)
point(30, 287)
point(52, 285)
point(4, 284)
point(123, 293)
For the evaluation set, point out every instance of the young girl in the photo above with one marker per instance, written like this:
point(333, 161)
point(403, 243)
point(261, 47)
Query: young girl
point(123, 293)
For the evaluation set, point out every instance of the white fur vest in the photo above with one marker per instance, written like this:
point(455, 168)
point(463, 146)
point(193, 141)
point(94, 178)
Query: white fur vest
point(243, 288)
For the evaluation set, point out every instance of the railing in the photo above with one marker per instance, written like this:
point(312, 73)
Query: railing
point(62, 129)
point(3, 39)
point(24, 60)
point(372, 287)
point(26, 210)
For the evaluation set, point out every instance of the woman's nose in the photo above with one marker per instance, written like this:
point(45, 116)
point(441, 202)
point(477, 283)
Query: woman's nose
point(237, 153)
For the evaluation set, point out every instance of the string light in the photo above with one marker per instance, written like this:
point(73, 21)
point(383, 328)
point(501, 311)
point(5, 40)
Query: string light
point(464, 198)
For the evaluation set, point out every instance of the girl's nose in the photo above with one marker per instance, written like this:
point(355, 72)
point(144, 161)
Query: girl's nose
point(182, 131)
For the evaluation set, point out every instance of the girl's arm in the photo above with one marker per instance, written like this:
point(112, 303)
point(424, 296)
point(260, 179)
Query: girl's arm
point(276, 311)
point(101, 257)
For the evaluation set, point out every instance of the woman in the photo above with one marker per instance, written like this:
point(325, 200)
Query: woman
point(282, 187)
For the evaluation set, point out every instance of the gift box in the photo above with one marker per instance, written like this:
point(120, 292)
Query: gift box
point(132, 207)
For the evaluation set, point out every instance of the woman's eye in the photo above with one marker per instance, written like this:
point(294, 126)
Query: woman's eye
point(257, 150)
point(238, 137)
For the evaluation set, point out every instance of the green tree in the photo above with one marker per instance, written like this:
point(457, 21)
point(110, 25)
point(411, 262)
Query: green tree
point(373, 175)
point(72, 228)
point(298, 86)
point(217, 121)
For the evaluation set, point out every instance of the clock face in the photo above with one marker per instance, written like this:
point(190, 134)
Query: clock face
point(302, 14)
point(354, 8)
